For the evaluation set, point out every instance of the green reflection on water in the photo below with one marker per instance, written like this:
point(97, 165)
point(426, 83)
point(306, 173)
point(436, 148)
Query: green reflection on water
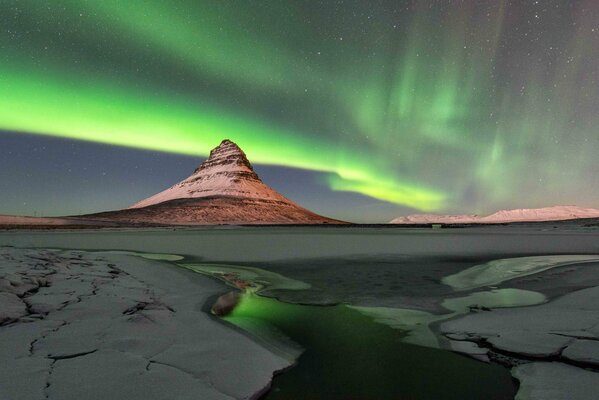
point(348, 356)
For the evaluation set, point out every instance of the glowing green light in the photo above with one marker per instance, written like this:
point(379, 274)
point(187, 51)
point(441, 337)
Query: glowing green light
point(62, 105)
point(424, 108)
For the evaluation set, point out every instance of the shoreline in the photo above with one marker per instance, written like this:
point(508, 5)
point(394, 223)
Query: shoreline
point(75, 223)
point(256, 245)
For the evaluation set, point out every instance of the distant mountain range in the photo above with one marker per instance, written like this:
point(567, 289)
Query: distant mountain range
point(557, 213)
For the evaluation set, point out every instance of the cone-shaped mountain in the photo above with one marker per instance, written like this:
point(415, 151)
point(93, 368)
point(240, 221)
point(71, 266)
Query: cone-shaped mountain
point(224, 189)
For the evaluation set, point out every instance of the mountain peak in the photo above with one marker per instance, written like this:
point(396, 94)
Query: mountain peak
point(223, 189)
point(226, 142)
point(227, 156)
point(227, 146)
point(226, 172)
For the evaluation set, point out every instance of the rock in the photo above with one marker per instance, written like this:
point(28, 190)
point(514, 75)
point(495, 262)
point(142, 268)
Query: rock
point(226, 303)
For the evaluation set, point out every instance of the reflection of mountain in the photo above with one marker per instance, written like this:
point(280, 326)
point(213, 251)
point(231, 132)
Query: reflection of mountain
point(557, 213)
point(223, 190)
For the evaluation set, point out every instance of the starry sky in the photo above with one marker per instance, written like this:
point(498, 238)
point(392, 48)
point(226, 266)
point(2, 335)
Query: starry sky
point(358, 110)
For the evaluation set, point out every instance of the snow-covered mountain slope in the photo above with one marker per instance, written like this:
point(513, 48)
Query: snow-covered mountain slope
point(223, 190)
point(557, 213)
point(218, 210)
point(227, 172)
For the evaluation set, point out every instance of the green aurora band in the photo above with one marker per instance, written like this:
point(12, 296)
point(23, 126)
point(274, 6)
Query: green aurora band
point(420, 108)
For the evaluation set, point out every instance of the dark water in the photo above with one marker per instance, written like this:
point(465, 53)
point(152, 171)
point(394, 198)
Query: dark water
point(350, 357)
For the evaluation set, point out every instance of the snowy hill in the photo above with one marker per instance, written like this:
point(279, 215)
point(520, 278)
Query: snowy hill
point(557, 213)
point(223, 190)
point(227, 172)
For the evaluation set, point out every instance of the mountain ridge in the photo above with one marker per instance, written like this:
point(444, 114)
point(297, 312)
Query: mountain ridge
point(554, 213)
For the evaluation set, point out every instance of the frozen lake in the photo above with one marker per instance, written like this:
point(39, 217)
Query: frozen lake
point(421, 293)
point(257, 244)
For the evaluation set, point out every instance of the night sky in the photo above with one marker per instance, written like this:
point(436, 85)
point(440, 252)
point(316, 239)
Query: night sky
point(361, 110)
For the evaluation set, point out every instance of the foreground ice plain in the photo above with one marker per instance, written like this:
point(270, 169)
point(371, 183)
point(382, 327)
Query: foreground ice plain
point(402, 270)
point(98, 325)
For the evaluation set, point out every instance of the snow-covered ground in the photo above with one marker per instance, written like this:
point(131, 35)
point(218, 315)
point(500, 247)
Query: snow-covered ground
point(553, 347)
point(78, 325)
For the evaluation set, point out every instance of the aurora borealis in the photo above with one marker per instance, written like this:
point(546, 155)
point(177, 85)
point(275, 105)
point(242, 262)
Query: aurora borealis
point(444, 106)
